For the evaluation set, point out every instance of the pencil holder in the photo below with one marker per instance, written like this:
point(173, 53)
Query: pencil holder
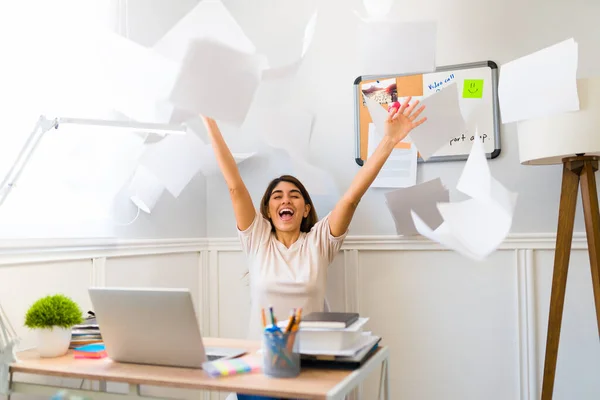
point(281, 358)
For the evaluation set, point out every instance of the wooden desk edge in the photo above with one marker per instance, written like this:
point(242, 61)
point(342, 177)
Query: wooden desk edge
point(346, 376)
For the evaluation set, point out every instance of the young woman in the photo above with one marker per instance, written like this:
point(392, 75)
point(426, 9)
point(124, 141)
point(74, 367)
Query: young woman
point(288, 248)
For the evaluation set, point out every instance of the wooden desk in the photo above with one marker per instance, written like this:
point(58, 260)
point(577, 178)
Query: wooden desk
point(310, 384)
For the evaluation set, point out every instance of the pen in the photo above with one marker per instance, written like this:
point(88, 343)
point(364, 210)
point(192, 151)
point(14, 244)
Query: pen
point(298, 319)
point(290, 324)
point(272, 315)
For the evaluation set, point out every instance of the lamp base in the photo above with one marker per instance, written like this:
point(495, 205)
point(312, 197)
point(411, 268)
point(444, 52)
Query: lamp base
point(577, 172)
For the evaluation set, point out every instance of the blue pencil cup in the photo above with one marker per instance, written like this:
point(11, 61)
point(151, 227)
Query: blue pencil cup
point(281, 356)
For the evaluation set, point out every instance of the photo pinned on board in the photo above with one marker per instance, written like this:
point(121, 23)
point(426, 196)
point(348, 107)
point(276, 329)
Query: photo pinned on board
point(383, 91)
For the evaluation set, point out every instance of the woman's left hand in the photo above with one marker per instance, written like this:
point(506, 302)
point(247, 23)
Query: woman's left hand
point(402, 120)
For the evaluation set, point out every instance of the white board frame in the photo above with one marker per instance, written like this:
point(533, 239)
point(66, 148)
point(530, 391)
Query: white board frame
point(457, 67)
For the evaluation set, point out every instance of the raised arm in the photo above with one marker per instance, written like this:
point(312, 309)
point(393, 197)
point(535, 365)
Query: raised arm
point(399, 123)
point(240, 197)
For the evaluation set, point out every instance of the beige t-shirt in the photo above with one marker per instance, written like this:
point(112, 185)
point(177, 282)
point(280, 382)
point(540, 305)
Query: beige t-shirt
point(287, 278)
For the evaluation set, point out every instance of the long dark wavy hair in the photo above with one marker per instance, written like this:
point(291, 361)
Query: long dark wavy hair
point(309, 221)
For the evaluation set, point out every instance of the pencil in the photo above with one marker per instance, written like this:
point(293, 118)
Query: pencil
point(264, 318)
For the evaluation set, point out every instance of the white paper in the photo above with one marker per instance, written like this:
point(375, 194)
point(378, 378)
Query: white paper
point(217, 81)
point(399, 170)
point(277, 28)
point(141, 80)
point(291, 68)
point(175, 160)
point(444, 121)
point(379, 115)
point(540, 84)
point(281, 127)
point(475, 227)
point(209, 19)
point(422, 198)
point(390, 47)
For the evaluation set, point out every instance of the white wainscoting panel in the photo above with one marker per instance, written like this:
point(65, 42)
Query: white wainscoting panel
point(446, 319)
point(578, 365)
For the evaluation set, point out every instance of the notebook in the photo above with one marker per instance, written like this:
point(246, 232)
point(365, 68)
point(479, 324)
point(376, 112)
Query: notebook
point(328, 320)
point(233, 366)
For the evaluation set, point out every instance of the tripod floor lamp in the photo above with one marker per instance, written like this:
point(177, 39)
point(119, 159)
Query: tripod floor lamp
point(573, 140)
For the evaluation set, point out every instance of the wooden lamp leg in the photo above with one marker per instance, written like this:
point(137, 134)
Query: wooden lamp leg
point(564, 237)
point(592, 227)
point(576, 171)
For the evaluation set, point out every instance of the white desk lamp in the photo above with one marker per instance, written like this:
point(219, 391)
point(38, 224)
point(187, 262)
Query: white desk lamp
point(44, 125)
point(8, 337)
point(573, 140)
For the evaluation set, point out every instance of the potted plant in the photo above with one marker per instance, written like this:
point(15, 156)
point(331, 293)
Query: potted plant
point(53, 318)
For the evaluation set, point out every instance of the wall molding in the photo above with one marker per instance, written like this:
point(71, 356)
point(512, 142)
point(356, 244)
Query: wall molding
point(28, 251)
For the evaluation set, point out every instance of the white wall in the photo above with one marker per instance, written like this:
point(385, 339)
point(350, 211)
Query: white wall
point(468, 30)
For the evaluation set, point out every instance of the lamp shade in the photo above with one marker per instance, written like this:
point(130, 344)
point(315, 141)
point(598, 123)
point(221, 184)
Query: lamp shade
point(548, 140)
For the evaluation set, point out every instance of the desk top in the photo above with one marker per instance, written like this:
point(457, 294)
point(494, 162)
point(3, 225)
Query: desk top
point(312, 383)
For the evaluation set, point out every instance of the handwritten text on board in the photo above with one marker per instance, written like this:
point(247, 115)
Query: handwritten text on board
point(437, 86)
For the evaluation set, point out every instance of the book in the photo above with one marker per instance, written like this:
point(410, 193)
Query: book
point(328, 320)
point(96, 350)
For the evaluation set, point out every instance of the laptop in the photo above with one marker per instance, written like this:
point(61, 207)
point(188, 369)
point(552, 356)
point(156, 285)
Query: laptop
point(153, 326)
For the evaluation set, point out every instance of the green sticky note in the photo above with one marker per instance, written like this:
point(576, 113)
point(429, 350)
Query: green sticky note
point(473, 89)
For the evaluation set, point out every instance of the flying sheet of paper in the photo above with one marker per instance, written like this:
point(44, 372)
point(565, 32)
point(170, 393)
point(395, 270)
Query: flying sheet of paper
point(142, 80)
point(289, 19)
point(540, 84)
point(209, 19)
point(444, 121)
point(291, 68)
point(217, 81)
point(174, 160)
point(400, 169)
point(281, 127)
point(380, 52)
point(378, 115)
point(477, 226)
point(422, 198)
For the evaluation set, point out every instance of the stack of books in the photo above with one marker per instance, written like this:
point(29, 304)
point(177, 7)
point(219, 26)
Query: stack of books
point(335, 340)
point(86, 333)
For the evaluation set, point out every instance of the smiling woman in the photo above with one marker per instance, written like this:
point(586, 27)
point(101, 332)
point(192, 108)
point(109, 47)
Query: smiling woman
point(288, 248)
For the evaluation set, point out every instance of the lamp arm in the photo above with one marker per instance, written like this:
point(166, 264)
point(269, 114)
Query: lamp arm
point(42, 126)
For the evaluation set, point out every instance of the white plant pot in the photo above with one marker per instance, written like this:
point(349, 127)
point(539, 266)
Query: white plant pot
point(53, 342)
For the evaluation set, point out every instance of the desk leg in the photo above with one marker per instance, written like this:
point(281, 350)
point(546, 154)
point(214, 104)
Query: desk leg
point(384, 381)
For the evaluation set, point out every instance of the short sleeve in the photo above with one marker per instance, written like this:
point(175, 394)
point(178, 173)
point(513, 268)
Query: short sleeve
point(256, 235)
point(328, 244)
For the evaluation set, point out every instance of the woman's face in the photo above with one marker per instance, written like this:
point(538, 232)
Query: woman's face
point(287, 207)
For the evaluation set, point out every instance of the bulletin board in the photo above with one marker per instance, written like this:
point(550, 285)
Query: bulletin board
point(477, 85)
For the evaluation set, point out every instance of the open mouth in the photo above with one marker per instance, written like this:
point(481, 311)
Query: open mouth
point(286, 214)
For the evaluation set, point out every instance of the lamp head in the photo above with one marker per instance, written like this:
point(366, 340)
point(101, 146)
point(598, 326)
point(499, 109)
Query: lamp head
point(545, 141)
